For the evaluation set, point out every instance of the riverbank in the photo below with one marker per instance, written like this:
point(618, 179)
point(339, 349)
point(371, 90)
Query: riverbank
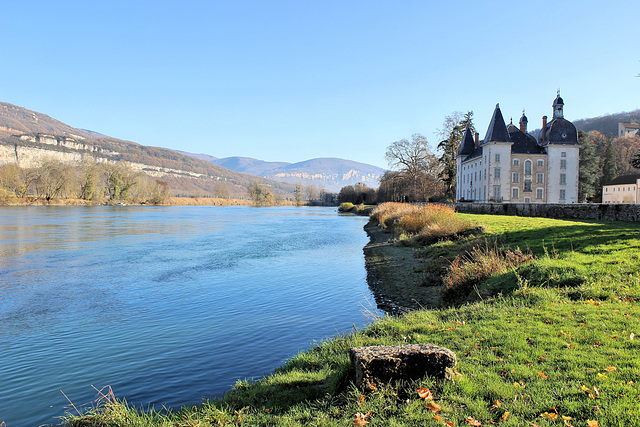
point(171, 201)
point(551, 341)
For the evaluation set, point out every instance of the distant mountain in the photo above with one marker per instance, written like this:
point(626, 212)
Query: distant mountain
point(249, 165)
point(329, 173)
point(27, 137)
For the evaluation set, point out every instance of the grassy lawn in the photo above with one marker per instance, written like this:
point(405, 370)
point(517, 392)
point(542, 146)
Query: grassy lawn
point(550, 342)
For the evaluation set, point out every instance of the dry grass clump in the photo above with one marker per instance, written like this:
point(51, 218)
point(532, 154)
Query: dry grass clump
point(425, 223)
point(481, 262)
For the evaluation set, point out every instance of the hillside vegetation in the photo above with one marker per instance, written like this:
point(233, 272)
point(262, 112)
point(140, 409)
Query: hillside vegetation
point(546, 337)
point(29, 137)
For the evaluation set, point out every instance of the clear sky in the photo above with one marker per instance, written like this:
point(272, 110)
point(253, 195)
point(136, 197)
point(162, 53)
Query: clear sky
point(293, 80)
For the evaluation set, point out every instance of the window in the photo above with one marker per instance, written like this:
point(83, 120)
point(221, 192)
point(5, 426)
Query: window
point(539, 178)
point(514, 193)
point(496, 192)
point(516, 177)
point(563, 154)
point(496, 173)
point(498, 158)
point(527, 186)
point(516, 162)
point(563, 194)
point(539, 193)
point(527, 167)
point(563, 164)
point(540, 162)
point(563, 178)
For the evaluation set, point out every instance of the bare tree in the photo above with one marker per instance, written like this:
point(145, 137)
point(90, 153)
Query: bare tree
point(51, 178)
point(260, 194)
point(417, 165)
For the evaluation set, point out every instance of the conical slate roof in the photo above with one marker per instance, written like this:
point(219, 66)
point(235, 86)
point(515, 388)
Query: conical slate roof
point(497, 131)
point(467, 145)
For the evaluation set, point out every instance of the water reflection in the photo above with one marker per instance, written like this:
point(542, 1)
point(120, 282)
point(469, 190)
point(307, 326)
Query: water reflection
point(167, 305)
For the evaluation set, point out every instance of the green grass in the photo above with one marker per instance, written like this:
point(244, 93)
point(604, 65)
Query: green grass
point(531, 340)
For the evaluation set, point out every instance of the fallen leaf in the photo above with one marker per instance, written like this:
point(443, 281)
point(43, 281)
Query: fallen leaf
point(505, 416)
point(543, 375)
point(611, 369)
point(473, 422)
point(496, 405)
point(592, 423)
point(433, 406)
point(566, 421)
point(425, 393)
point(601, 375)
point(449, 423)
point(361, 419)
point(361, 399)
point(549, 416)
point(437, 418)
point(596, 391)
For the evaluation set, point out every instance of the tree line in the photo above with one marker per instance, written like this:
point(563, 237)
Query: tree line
point(417, 174)
point(261, 194)
point(96, 182)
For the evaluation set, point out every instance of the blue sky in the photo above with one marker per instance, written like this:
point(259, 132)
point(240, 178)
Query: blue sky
point(294, 80)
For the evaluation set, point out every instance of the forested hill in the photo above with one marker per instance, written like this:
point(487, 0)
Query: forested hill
point(606, 124)
point(27, 137)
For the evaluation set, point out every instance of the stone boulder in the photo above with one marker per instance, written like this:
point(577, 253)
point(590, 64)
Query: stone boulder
point(386, 363)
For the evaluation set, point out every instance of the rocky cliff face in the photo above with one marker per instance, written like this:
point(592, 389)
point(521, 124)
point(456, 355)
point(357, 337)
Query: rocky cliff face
point(29, 156)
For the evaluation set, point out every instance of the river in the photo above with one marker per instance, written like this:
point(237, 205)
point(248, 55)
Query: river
point(167, 305)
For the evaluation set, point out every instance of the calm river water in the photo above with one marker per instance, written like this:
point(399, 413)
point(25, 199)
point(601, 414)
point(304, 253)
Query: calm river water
point(167, 305)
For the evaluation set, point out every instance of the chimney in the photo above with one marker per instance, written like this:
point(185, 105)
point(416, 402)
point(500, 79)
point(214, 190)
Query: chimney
point(544, 128)
point(477, 141)
point(523, 127)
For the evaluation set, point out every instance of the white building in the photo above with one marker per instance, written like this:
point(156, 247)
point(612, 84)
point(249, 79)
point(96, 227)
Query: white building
point(632, 128)
point(624, 189)
point(510, 166)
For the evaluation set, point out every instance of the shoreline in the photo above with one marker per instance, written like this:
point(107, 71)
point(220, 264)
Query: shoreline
point(396, 275)
point(172, 201)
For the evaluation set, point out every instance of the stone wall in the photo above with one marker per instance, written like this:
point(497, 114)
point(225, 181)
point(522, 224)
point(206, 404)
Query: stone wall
point(608, 212)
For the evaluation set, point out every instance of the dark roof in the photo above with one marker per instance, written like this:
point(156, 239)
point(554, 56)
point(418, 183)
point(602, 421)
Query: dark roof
point(497, 131)
point(558, 100)
point(625, 179)
point(561, 132)
point(477, 152)
point(523, 143)
point(468, 145)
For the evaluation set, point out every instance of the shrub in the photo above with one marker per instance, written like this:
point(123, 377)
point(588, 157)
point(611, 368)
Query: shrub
point(481, 262)
point(7, 197)
point(425, 223)
point(346, 207)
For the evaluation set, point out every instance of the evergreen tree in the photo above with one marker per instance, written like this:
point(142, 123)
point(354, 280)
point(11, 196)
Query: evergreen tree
point(609, 165)
point(449, 148)
point(589, 172)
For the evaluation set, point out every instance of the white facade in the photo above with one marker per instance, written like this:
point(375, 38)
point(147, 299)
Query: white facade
point(510, 166)
point(562, 173)
point(622, 190)
point(625, 129)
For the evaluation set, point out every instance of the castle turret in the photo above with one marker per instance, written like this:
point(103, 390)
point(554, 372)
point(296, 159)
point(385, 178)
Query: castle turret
point(558, 105)
point(523, 122)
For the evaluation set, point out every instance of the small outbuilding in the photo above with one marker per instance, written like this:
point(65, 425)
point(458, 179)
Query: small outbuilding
point(623, 189)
